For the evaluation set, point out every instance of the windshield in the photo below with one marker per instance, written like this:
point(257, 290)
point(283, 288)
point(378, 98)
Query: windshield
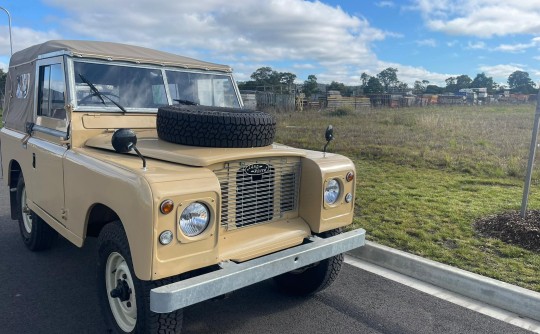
point(138, 87)
point(131, 87)
point(204, 89)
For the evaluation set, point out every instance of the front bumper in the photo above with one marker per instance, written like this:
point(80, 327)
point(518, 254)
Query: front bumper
point(233, 276)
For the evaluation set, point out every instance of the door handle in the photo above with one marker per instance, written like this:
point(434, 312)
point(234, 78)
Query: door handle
point(34, 160)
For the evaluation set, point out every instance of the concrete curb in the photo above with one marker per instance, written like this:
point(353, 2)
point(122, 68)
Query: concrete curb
point(505, 296)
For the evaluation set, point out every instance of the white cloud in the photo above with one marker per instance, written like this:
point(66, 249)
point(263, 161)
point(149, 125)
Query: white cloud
point(306, 66)
point(385, 4)
point(519, 47)
point(244, 31)
point(254, 30)
point(452, 43)
point(427, 42)
point(410, 74)
point(476, 45)
point(482, 18)
point(246, 34)
point(501, 72)
point(23, 38)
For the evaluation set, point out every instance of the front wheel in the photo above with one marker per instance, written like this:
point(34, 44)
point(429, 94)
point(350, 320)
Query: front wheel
point(125, 299)
point(308, 280)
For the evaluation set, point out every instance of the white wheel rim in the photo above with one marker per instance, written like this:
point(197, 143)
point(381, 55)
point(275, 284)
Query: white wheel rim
point(25, 213)
point(117, 269)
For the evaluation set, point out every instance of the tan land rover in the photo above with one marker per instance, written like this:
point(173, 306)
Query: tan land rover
point(188, 196)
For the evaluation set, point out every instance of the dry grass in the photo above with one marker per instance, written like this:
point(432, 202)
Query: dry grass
point(424, 176)
point(488, 141)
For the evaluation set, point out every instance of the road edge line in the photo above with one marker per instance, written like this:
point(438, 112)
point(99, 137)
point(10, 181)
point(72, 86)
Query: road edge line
point(503, 295)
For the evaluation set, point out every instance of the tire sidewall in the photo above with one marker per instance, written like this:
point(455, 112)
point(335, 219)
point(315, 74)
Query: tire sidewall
point(205, 126)
point(105, 248)
point(314, 278)
point(113, 239)
point(26, 237)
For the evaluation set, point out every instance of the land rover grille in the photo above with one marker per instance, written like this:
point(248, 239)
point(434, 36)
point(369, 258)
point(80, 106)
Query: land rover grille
point(258, 191)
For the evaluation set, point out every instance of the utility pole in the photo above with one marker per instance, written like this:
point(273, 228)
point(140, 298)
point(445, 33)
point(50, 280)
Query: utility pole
point(9, 21)
point(532, 153)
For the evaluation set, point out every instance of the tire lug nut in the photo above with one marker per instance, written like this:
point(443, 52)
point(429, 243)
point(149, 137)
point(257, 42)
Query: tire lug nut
point(128, 304)
point(124, 276)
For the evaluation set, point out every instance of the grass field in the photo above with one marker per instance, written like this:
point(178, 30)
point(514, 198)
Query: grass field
point(424, 175)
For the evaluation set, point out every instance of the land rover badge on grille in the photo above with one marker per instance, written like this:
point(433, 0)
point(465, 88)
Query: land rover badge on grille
point(256, 169)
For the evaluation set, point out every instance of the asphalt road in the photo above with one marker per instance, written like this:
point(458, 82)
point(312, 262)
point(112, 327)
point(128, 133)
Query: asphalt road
point(55, 292)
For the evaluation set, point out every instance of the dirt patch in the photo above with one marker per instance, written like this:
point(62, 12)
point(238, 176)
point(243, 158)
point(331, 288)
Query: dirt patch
point(511, 228)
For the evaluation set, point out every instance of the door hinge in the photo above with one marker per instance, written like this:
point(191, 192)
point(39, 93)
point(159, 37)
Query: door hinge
point(64, 213)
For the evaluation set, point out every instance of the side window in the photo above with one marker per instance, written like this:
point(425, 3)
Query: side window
point(51, 92)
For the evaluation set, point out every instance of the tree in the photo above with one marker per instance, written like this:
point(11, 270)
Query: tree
point(520, 82)
point(420, 86)
point(263, 75)
point(482, 81)
point(373, 86)
point(267, 79)
point(401, 86)
point(434, 89)
point(343, 90)
point(463, 81)
point(286, 78)
point(2, 83)
point(450, 85)
point(310, 85)
point(364, 77)
point(388, 77)
point(454, 84)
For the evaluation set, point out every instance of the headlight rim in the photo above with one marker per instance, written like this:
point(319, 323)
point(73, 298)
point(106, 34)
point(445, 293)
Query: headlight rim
point(207, 225)
point(339, 194)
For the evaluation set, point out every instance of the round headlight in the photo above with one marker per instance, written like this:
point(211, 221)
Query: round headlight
point(194, 219)
point(165, 237)
point(332, 191)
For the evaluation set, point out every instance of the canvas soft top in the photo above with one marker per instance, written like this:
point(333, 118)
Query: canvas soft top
point(111, 51)
point(19, 104)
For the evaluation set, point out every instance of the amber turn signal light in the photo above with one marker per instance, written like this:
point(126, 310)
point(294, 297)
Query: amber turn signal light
point(166, 206)
point(349, 177)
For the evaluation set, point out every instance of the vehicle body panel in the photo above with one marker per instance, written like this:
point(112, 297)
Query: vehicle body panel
point(73, 169)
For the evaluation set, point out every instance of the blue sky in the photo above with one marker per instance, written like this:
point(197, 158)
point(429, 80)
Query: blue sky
point(335, 40)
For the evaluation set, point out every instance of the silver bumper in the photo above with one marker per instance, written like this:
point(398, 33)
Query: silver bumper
point(233, 276)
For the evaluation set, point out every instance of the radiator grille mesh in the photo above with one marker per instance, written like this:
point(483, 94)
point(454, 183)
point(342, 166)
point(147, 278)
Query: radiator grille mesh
point(249, 197)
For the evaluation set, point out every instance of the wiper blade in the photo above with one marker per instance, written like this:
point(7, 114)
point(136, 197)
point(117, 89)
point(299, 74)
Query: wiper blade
point(186, 102)
point(98, 93)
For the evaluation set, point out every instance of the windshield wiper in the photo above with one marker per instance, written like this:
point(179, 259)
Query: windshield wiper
point(98, 93)
point(186, 102)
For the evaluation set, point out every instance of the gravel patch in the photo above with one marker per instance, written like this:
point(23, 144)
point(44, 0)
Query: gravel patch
point(511, 228)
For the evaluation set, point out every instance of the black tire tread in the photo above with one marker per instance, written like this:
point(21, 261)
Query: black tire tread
point(215, 126)
point(112, 237)
point(42, 236)
point(314, 279)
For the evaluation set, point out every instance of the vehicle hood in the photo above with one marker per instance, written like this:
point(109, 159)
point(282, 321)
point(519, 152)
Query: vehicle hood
point(151, 146)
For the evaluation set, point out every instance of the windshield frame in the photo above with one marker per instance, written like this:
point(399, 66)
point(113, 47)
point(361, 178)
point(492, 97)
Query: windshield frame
point(113, 109)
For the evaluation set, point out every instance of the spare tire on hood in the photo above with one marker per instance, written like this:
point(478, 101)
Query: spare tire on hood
point(215, 126)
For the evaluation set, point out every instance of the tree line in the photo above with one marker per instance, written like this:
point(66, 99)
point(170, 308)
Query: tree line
point(265, 78)
point(387, 81)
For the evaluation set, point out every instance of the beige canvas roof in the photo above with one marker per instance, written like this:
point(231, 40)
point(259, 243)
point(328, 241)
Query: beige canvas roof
point(111, 51)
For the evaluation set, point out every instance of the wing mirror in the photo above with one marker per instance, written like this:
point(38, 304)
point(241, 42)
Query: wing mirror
point(329, 135)
point(125, 140)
